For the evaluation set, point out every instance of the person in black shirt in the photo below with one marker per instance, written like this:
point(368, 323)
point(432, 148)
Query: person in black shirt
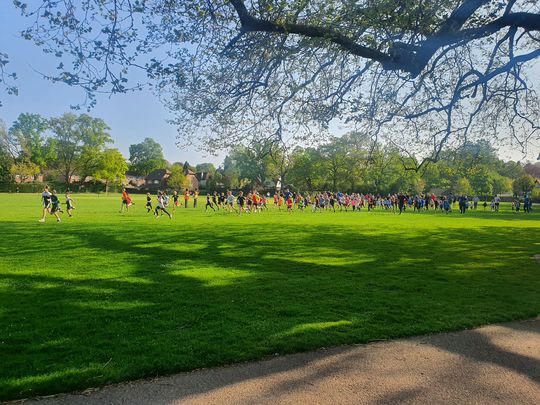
point(214, 200)
point(241, 200)
point(55, 206)
point(148, 202)
point(222, 200)
point(175, 200)
point(463, 202)
point(69, 204)
point(46, 200)
point(401, 202)
point(209, 203)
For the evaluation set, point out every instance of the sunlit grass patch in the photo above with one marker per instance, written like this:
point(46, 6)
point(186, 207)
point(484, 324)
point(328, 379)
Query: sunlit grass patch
point(105, 297)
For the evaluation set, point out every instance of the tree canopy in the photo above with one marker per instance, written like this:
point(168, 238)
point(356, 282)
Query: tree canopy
point(419, 74)
point(111, 168)
point(79, 143)
point(28, 138)
point(147, 156)
point(355, 163)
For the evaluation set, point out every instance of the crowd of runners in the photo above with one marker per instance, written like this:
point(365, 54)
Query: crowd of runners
point(253, 202)
point(290, 201)
point(51, 204)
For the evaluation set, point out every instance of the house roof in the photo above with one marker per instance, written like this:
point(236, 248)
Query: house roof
point(134, 174)
point(159, 174)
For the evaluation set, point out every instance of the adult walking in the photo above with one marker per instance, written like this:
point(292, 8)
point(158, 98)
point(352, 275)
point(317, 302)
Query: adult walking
point(463, 203)
point(401, 202)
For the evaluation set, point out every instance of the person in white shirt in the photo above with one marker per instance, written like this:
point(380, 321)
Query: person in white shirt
point(497, 200)
point(162, 205)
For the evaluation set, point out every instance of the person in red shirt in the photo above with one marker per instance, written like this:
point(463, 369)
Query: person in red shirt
point(290, 203)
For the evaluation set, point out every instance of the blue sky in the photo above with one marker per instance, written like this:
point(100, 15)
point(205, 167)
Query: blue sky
point(131, 117)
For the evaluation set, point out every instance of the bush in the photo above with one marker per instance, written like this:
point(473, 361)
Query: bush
point(535, 195)
point(58, 186)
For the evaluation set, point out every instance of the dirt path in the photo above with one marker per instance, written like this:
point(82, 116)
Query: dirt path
point(489, 365)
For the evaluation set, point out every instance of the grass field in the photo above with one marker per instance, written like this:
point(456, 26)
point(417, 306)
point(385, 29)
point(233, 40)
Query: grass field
point(105, 297)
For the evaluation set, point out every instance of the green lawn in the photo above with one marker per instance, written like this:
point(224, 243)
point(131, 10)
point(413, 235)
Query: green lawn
point(105, 297)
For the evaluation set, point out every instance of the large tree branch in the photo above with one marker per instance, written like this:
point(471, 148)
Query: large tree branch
point(252, 24)
point(401, 56)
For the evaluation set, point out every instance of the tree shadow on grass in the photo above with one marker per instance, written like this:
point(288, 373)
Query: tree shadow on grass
point(478, 347)
point(140, 305)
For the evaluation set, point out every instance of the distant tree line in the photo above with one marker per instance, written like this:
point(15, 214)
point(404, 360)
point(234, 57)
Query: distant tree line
point(354, 162)
point(73, 148)
point(77, 147)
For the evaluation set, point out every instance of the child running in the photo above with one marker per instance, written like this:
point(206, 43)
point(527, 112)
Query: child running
point(281, 201)
point(230, 201)
point(55, 206)
point(241, 201)
point(69, 204)
point(175, 200)
point(126, 201)
point(290, 203)
point(255, 201)
point(209, 203)
point(148, 203)
point(214, 200)
point(161, 205)
point(46, 200)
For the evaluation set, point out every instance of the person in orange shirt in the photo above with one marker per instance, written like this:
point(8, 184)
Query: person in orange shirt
point(255, 199)
point(126, 201)
point(281, 201)
point(186, 198)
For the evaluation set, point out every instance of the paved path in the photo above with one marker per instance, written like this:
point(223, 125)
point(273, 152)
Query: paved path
point(490, 365)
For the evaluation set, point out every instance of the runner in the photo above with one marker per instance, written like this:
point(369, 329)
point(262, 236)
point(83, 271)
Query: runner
point(215, 200)
point(209, 203)
point(148, 203)
point(126, 201)
point(255, 201)
point(161, 205)
point(241, 201)
point(263, 203)
point(230, 201)
point(222, 200)
point(69, 204)
point(281, 201)
point(290, 203)
point(497, 201)
point(176, 203)
point(46, 202)
point(55, 206)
